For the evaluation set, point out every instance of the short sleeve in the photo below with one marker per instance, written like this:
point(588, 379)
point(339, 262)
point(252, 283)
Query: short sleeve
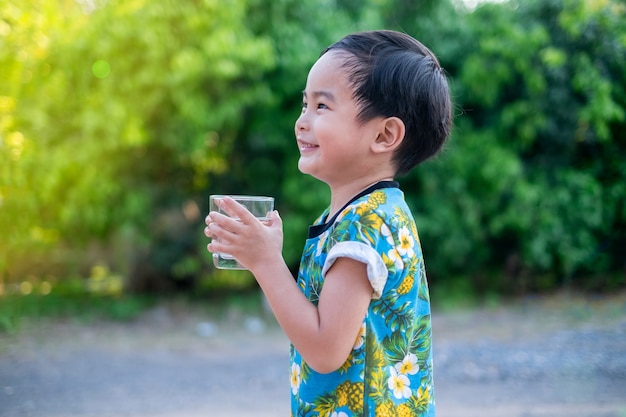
point(376, 269)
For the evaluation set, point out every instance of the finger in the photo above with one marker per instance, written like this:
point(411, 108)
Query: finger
point(219, 238)
point(216, 247)
point(236, 210)
point(222, 226)
point(208, 231)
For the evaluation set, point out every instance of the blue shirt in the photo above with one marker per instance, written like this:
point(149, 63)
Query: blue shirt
point(389, 370)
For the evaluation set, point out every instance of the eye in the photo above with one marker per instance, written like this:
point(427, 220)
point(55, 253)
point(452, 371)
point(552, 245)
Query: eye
point(322, 106)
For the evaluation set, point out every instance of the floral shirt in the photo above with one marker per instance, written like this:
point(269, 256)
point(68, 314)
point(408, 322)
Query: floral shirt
point(389, 371)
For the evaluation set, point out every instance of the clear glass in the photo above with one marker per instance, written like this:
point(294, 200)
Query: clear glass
point(260, 206)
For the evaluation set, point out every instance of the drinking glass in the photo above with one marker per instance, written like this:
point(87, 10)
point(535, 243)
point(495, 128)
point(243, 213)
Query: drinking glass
point(259, 206)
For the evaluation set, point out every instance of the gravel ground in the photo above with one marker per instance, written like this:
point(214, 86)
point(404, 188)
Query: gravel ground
point(544, 357)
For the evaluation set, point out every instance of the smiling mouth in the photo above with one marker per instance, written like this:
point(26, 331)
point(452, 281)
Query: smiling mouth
point(303, 146)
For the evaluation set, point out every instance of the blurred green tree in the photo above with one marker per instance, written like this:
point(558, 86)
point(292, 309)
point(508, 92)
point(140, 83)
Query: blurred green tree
point(118, 119)
point(116, 116)
point(531, 187)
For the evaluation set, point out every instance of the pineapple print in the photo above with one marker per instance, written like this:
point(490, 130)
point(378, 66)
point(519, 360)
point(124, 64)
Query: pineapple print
point(406, 284)
point(373, 201)
point(351, 394)
point(404, 410)
point(376, 199)
point(342, 394)
point(386, 409)
point(355, 397)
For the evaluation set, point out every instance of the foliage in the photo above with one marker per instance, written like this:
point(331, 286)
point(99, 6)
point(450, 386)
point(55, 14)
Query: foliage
point(543, 88)
point(109, 125)
point(119, 118)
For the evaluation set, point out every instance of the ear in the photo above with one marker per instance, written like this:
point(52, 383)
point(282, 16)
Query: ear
point(390, 135)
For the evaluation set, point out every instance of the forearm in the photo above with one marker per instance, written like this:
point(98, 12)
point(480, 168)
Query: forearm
point(298, 317)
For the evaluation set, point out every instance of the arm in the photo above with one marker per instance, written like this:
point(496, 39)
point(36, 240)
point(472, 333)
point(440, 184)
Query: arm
point(325, 334)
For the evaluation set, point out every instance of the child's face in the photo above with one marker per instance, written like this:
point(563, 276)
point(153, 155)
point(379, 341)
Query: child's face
point(334, 146)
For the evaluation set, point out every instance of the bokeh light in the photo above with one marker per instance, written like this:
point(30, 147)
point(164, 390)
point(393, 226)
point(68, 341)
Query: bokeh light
point(101, 69)
point(45, 288)
point(26, 288)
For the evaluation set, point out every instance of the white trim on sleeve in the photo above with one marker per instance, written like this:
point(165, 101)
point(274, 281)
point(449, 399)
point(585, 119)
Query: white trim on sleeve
point(376, 269)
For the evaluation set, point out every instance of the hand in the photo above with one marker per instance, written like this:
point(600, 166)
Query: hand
point(249, 240)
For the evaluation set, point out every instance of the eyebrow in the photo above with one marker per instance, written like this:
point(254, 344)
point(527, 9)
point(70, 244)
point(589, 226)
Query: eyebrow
point(317, 94)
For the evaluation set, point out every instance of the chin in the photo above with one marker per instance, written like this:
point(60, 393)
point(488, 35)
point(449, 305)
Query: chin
point(303, 167)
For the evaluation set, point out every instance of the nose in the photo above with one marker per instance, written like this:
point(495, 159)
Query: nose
point(302, 123)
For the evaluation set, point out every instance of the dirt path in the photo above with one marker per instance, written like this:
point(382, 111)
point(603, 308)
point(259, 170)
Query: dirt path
point(538, 358)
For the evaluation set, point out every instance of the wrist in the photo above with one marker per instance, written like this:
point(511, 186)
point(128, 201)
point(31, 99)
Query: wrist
point(269, 269)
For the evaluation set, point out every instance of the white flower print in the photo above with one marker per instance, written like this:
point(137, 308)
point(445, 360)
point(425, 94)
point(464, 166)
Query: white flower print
point(399, 384)
point(405, 248)
point(360, 338)
point(385, 231)
point(395, 257)
point(295, 378)
point(338, 414)
point(409, 365)
point(392, 254)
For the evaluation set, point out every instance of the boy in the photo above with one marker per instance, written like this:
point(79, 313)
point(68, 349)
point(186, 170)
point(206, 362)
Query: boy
point(375, 105)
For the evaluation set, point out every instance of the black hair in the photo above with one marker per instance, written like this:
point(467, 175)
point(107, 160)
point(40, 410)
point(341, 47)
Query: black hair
point(394, 75)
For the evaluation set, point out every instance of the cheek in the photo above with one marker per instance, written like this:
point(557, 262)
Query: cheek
point(326, 129)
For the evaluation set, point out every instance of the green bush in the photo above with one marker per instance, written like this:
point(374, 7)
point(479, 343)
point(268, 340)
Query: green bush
point(117, 122)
